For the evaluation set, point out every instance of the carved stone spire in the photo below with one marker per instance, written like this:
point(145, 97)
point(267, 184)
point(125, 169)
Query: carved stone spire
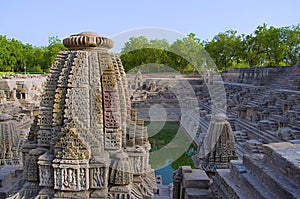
point(218, 147)
point(83, 136)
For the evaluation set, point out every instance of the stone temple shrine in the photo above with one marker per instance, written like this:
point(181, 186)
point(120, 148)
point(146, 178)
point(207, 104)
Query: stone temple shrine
point(87, 141)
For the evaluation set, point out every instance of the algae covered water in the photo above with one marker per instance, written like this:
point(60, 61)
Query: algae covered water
point(171, 147)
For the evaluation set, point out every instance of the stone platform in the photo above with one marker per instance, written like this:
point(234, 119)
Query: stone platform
point(274, 174)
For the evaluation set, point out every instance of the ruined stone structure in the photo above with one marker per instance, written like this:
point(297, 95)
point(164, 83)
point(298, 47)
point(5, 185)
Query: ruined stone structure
point(13, 133)
point(23, 89)
point(149, 90)
point(87, 141)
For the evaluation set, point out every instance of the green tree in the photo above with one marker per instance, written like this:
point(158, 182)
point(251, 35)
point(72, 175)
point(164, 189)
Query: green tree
point(290, 37)
point(54, 47)
point(14, 55)
point(189, 53)
point(226, 49)
point(183, 54)
point(4, 54)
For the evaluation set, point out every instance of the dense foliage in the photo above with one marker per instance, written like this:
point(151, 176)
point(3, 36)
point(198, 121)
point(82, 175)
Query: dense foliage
point(266, 46)
point(15, 56)
point(181, 55)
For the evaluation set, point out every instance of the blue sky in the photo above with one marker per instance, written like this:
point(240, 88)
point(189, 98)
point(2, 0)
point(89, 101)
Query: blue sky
point(33, 21)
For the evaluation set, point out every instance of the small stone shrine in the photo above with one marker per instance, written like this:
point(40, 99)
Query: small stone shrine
point(88, 142)
point(218, 147)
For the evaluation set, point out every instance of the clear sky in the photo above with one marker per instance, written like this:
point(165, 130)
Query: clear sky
point(33, 21)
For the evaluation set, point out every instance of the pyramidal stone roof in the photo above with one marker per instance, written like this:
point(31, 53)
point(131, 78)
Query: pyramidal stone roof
point(89, 142)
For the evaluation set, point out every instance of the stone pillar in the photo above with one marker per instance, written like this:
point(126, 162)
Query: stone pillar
point(139, 135)
point(46, 170)
point(31, 169)
point(2, 96)
point(177, 177)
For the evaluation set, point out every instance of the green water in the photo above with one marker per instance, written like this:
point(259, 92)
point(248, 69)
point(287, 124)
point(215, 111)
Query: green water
point(171, 148)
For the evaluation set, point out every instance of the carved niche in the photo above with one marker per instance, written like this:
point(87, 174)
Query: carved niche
point(113, 139)
point(99, 177)
point(71, 169)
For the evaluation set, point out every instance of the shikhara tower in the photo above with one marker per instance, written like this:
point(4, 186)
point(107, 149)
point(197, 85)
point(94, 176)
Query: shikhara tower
point(88, 142)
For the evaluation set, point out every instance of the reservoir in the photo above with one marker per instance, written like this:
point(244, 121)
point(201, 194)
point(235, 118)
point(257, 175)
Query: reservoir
point(171, 147)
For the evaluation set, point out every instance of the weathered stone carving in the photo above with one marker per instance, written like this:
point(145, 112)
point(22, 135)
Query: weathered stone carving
point(218, 146)
point(71, 162)
point(121, 173)
point(112, 139)
point(12, 138)
point(79, 147)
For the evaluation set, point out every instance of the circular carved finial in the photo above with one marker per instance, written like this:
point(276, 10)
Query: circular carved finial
point(87, 40)
point(220, 117)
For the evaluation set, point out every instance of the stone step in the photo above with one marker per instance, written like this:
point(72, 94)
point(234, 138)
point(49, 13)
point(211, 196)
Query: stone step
point(192, 193)
point(224, 186)
point(284, 157)
point(252, 129)
point(251, 186)
point(273, 180)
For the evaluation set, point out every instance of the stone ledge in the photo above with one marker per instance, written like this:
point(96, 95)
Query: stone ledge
point(224, 185)
point(284, 157)
point(273, 180)
point(196, 179)
point(193, 193)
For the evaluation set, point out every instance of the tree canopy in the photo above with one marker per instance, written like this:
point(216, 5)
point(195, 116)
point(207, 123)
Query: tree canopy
point(15, 56)
point(180, 55)
point(266, 46)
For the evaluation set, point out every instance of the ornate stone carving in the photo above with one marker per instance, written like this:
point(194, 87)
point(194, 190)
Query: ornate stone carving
point(137, 157)
point(121, 170)
point(99, 177)
point(85, 126)
point(31, 170)
point(73, 178)
point(87, 40)
point(112, 139)
point(71, 162)
point(45, 117)
point(46, 170)
point(44, 137)
point(70, 146)
point(218, 146)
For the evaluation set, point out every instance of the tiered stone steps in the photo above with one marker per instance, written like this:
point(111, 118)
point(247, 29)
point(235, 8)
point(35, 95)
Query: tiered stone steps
point(241, 136)
point(275, 174)
point(253, 146)
point(252, 129)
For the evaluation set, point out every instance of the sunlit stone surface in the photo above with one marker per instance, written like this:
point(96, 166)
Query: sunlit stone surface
point(88, 142)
